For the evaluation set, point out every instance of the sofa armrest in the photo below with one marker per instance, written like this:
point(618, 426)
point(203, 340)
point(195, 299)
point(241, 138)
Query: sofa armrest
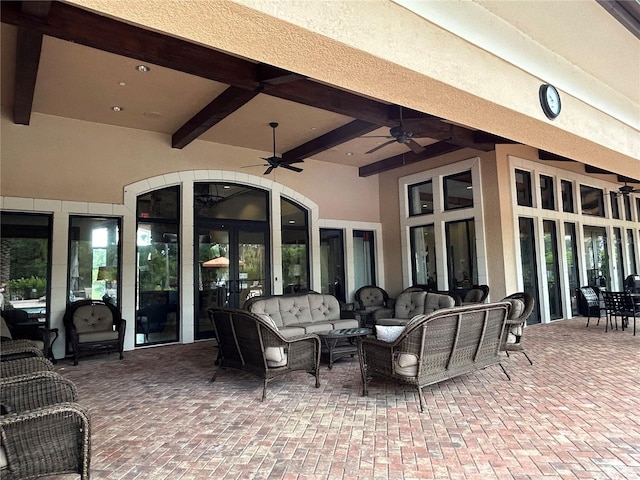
point(48, 440)
point(36, 390)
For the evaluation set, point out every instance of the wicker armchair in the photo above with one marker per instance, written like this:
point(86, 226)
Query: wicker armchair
point(435, 347)
point(22, 366)
point(476, 294)
point(251, 343)
point(43, 431)
point(370, 298)
point(521, 308)
point(94, 327)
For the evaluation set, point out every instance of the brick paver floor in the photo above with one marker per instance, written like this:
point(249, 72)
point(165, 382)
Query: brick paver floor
point(574, 414)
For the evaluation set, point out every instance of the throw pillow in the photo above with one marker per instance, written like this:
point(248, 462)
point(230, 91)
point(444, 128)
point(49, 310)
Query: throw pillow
point(388, 334)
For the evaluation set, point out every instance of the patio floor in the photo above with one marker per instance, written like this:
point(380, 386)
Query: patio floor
point(574, 414)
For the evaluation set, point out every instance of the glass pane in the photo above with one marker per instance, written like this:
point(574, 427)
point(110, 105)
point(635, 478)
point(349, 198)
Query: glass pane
point(618, 264)
point(637, 209)
point(595, 256)
point(592, 201)
point(423, 253)
point(94, 251)
point(552, 268)
point(159, 204)
point(523, 188)
point(230, 201)
point(615, 207)
point(157, 316)
point(25, 242)
point(458, 191)
point(570, 242)
point(212, 277)
point(421, 198)
point(631, 251)
point(332, 262)
point(295, 239)
point(461, 254)
point(627, 207)
point(364, 258)
point(567, 196)
point(529, 264)
point(547, 193)
point(252, 263)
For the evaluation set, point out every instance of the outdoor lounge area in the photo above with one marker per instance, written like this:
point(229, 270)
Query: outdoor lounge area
point(573, 414)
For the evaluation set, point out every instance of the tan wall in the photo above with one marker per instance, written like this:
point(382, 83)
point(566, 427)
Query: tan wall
point(62, 159)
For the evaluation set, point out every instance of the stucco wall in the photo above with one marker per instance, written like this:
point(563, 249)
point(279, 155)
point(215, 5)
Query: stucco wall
point(62, 159)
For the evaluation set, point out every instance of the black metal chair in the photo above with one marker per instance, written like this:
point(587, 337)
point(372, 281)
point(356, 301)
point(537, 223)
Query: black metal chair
point(590, 302)
point(623, 305)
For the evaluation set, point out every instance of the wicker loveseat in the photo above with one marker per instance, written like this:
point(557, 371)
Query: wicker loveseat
point(297, 314)
point(253, 343)
point(435, 347)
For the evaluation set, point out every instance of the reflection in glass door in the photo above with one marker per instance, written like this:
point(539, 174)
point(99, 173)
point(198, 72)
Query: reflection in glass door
point(596, 258)
point(571, 245)
point(529, 269)
point(423, 254)
point(232, 267)
point(552, 268)
point(332, 262)
point(364, 258)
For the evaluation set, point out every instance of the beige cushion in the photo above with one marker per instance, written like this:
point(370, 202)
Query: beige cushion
point(407, 365)
point(93, 318)
point(388, 334)
point(4, 329)
point(275, 356)
point(4, 463)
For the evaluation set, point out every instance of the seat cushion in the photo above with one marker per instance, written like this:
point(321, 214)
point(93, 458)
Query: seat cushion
point(100, 336)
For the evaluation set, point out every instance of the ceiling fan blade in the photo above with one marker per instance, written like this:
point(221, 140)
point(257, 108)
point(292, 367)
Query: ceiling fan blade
point(415, 146)
point(256, 165)
point(289, 167)
point(268, 170)
point(377, 136)
point(375, 149)
point(297, 160)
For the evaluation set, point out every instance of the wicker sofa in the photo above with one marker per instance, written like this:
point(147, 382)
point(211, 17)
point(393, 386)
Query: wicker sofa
point(410, 303)
point(435, 347)
point(297, 314)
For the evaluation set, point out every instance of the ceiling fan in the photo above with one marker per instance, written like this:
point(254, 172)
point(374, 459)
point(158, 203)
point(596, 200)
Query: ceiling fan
point(275, 161)
point(400, 135)
point(626, 189)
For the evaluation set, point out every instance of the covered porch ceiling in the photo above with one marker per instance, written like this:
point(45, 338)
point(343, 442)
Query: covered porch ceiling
point(62, 60)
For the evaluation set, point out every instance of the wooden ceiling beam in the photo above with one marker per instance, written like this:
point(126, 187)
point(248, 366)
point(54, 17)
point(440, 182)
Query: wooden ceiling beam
point(28, 49)
point(222, 106)
point(330, 139)
point(430, 151)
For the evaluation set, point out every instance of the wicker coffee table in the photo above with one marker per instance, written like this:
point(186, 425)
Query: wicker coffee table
point(340, 343)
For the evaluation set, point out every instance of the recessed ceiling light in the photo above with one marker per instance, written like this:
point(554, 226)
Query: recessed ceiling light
point(122, 84)
point(142, 68)
point(349, 154)
point(226, 187)
point(116, 108)
point(292, 221)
